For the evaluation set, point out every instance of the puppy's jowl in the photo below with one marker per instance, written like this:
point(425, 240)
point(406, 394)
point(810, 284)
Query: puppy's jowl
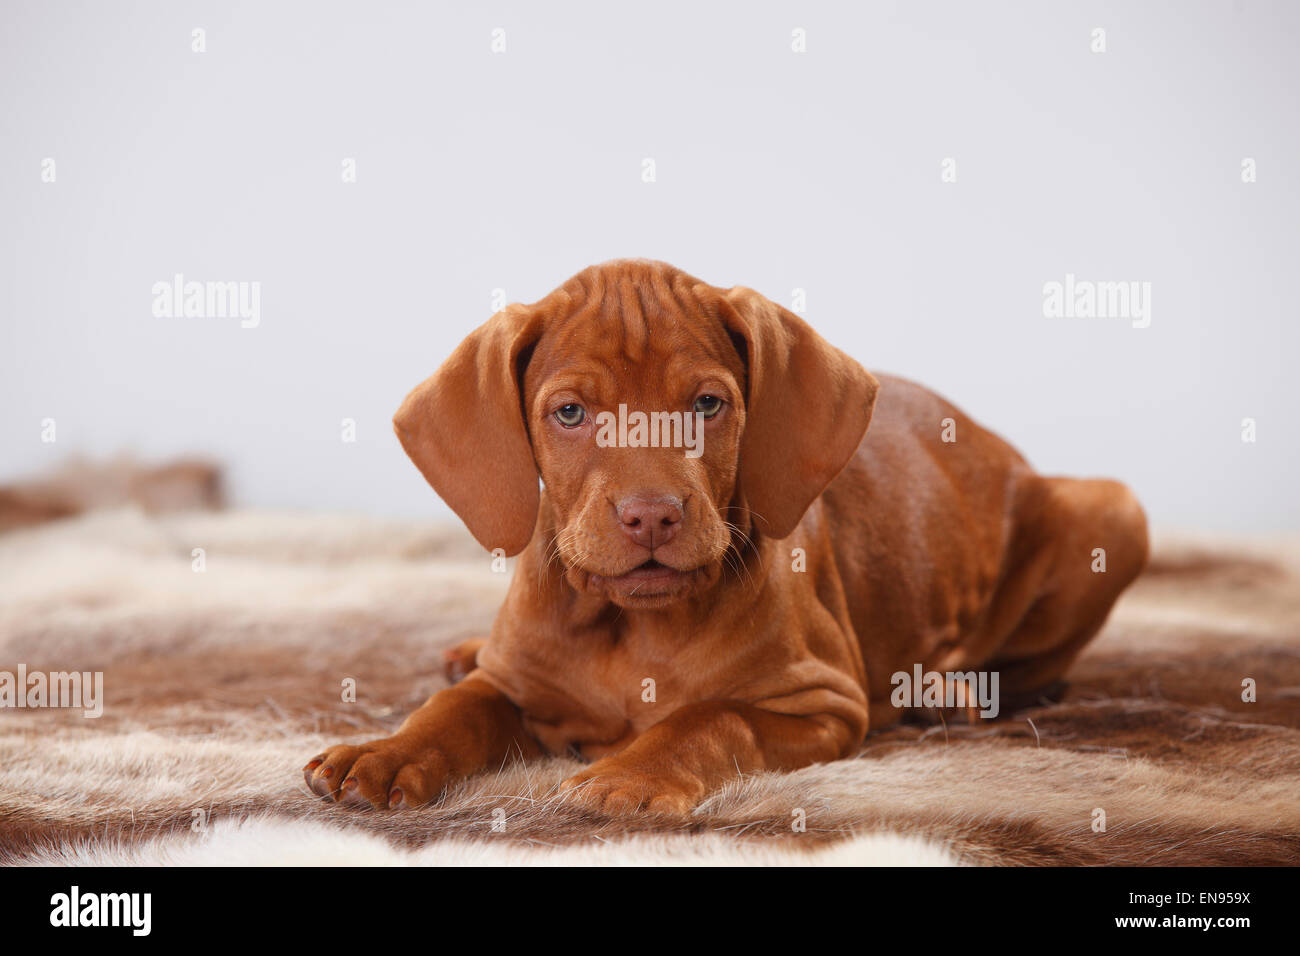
point(641, 562)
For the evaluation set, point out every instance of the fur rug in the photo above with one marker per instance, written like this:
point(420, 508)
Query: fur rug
point(219, 685)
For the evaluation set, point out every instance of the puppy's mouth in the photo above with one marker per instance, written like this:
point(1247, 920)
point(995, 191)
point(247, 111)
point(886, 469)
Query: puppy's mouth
point(649, 579)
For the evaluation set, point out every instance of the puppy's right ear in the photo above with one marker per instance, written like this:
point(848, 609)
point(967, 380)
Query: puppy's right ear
point(464, 429)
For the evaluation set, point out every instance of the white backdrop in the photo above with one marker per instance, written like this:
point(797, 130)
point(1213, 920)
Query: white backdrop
point(821, 170)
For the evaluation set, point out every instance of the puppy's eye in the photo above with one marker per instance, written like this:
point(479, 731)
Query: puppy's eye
point(708, 405)
point(570, 416)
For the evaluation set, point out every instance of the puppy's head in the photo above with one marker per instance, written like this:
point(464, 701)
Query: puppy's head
point(668, 419)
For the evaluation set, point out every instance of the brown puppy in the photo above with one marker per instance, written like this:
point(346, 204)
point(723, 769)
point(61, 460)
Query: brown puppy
point(681, 615)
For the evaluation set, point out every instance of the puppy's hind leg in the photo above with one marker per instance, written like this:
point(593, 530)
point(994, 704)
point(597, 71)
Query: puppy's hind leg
point(1096, 535)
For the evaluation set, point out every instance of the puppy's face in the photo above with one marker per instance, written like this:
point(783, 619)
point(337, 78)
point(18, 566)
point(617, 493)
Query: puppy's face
point(656, 409)
point(635, 409)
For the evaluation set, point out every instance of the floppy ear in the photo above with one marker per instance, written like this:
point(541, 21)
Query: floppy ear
point(464, 429)
point(807, 408)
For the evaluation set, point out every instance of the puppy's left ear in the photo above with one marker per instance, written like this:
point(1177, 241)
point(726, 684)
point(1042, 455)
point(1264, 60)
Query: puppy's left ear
point(464, 429)
point(807, 407)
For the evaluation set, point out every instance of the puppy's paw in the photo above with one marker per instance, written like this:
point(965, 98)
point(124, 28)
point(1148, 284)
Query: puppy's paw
point(384, 774)
point(617, 788)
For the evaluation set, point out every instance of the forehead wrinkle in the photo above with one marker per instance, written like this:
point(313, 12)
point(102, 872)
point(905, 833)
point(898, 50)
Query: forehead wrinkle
point(588, 382)
point(668, 376)
point(604, 379)
point(630, 322)
point(688, 314)
point(683, 374)
point(628, 309)
point(576, 368)
point(620, 324)
point(711, 341)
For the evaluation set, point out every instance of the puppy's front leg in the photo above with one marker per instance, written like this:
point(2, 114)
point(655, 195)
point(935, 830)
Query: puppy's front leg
point(457, 732)
point(671, 767)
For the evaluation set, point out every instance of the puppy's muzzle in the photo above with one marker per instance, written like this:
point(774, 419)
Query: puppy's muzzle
point(650, 521)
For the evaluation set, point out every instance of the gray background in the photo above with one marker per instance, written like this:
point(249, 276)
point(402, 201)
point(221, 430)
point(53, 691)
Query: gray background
point(775, 170)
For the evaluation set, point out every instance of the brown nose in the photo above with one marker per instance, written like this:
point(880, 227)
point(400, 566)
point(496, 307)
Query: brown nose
point(650, 521)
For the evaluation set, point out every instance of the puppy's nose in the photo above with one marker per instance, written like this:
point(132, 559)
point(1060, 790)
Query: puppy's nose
point(650, 521)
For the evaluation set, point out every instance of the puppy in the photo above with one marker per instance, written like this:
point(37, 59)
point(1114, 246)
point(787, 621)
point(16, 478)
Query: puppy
point(736, 597)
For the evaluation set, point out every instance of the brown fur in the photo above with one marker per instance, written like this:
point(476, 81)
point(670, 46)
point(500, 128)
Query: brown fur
point(214, 682)
point(80, 486)
point(649, 565)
